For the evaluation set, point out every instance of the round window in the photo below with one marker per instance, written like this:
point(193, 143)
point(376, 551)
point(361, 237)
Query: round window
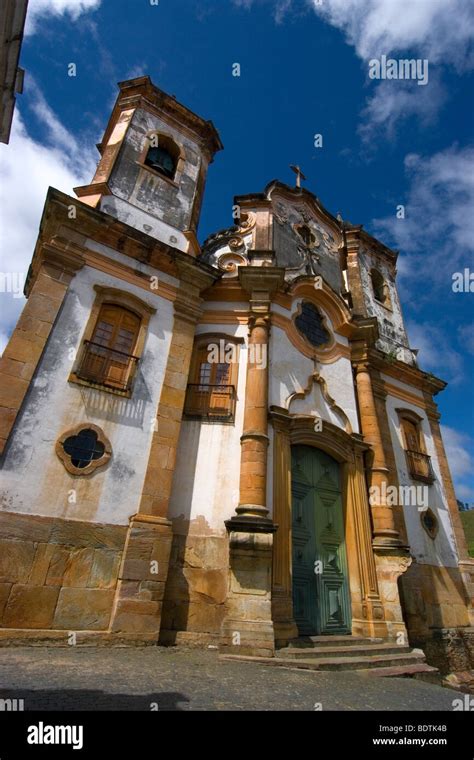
point(83, 449)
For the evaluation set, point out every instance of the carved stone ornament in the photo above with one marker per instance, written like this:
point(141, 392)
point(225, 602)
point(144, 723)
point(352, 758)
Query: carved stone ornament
point(247, 221)
point(235, 243)
point(229, 263)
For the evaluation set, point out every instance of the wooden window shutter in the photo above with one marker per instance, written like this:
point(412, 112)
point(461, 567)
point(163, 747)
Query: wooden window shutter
point(117, 331)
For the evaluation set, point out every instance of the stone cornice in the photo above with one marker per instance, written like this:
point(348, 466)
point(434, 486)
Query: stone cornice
point(142, 93)
point(61, 257)
point(92, 223)
point(406, 373)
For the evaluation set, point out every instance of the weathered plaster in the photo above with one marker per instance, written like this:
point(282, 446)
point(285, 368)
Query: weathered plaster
point(35, 481)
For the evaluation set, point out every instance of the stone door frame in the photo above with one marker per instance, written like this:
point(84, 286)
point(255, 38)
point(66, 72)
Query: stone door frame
point(348, 449)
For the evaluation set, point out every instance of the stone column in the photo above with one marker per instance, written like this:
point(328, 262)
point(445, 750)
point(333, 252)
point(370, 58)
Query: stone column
point(392, 558)
point(466, 563)
point(368, 614)
point(52, 271)
point(144, 569)
point(385, 531)
point(248, 626)
point(282, 595)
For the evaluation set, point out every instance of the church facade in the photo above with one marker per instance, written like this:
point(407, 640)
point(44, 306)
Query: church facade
point(229, 444)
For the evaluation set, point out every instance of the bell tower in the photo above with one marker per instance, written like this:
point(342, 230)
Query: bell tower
point(154, 159)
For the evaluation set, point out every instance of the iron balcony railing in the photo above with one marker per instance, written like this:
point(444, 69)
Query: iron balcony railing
point(419, 465)
point(107, 367)
point(212, 401)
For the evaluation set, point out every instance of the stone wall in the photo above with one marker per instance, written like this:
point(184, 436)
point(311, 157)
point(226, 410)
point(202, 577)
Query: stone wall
point(436, 615)
point(57, 574)
point(196, 589)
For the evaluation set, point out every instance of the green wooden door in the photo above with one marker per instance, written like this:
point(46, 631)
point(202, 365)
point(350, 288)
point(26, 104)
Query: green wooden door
point(321, 601)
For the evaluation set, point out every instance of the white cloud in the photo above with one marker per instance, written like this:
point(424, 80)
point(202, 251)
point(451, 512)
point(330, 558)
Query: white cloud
point(461, 462)
point(38, 9)
point(441, 31)
point(27, 169)
point(466, 337)
point(437, 234)
point(435, 351)
point(280, 7)
point(395, 101)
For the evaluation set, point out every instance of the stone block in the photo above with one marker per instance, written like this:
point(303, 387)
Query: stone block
point(78, 568)
point(57, 566)
point(12, 391)
point(43, 307)
point(87, 535)
point(25, 527)
point(83, 609)
point(138, 607)
point(21, 349)
point(30, 607)
point(127, 622)
point(136, 570)
point(105, 569)
point(7, 419)
point(40, 567)
point(16, 559)
point(11, 367)
point(5, 589)
point(152, 590)
point(209, 583)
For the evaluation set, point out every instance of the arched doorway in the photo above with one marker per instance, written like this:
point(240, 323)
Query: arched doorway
point(320, 581)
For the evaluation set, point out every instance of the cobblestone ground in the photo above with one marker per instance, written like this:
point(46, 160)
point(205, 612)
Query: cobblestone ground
point(185, 679)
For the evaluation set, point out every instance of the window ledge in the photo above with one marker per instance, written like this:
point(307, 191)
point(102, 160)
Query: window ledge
point(422, 478)
point(158, 174)
point(384, 306)
point(208, 419)
point(73, 378)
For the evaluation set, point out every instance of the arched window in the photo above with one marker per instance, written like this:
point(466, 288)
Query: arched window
point(108, 357)
point(429, 523)
point(310, 323)
point(113, 341)
point(212, 389)
point(419, 463)
point(305, 234)
point(380, 288)
point(163, 155)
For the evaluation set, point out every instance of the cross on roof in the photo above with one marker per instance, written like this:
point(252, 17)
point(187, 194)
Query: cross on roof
point(299, 174)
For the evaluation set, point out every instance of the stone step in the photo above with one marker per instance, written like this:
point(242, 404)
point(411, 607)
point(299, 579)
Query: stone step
point(322, 652)
point(360, 662)
point(397, 671)
point(332, 641)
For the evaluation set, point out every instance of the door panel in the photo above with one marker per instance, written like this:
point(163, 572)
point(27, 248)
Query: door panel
point(320, 578)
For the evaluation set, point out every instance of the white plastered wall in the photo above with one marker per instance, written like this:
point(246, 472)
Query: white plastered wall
point(207, 474)
point(442, 550)
point(34, 479)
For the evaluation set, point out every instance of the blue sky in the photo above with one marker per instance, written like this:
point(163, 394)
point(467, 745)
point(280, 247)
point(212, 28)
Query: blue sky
point(304, 71)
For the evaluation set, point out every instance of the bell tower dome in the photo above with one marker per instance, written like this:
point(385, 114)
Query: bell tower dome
point(154, 159)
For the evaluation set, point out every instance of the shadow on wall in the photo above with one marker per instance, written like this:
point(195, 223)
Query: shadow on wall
point(196, 587)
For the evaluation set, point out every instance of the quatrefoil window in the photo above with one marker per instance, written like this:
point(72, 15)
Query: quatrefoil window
point(430, 523)
point(83, 449)
point(309, 323)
